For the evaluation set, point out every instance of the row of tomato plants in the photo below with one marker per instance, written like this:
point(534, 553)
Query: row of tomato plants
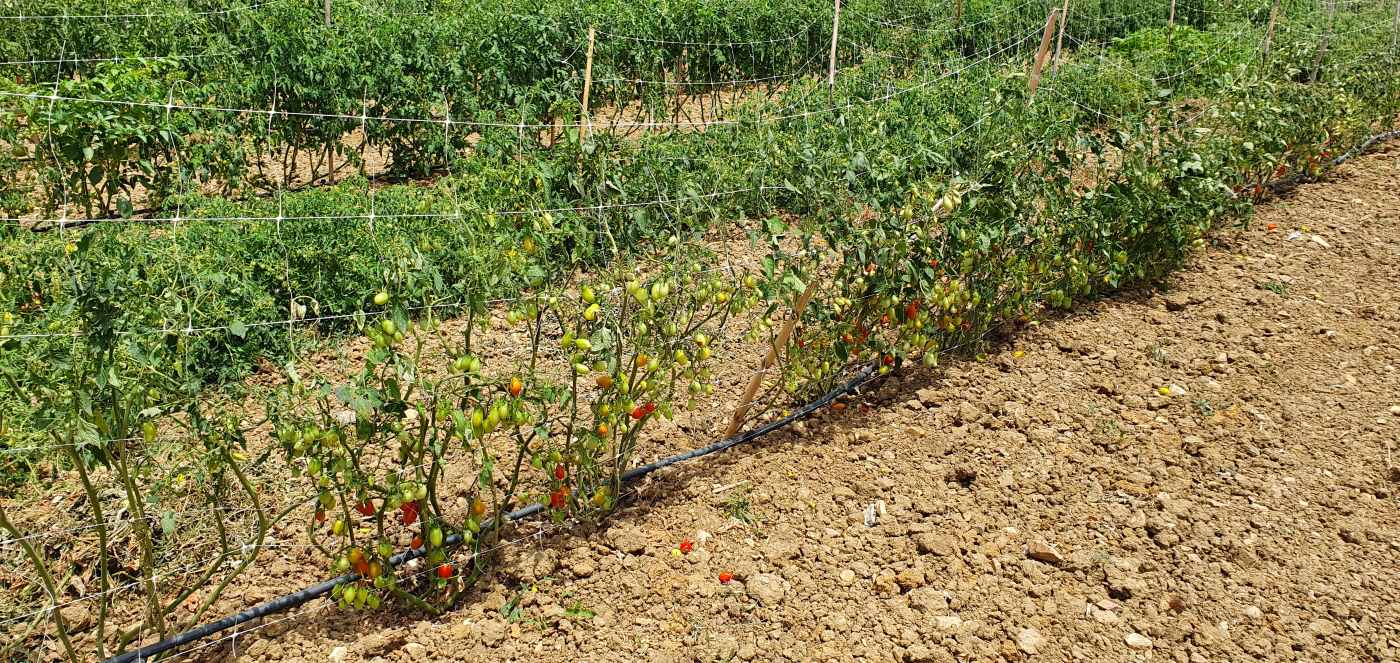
point(232, 276)
point(921, 246)
point(505, 63)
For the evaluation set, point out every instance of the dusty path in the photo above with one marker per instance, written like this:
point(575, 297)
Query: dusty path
point(1251, 513)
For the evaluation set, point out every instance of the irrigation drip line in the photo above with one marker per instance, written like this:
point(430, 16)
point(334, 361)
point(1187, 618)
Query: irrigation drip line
point(1293, 181)
point(323, 588)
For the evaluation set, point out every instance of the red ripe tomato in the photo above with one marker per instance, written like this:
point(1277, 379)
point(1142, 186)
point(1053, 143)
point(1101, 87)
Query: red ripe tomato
point(557, 499)
point(911, 311)
point(320, 516)
point(725, 577)
point(444, 571)
point(408, 513)
point(889, 360)
point(417, 543)
point(639, 412)
point(650, 407)
point(687, 546)
point(559, 472)
point(365, 508)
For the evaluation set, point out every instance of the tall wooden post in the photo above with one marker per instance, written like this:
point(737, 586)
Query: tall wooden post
point(586, 122)
point(1395, 31)
point(781, 342)
point(326, 8)
point(835, 27)
point(1040, 53)
point(1323, 40)
point(1171, 18)
point(1269, 32)
point(1060, 41)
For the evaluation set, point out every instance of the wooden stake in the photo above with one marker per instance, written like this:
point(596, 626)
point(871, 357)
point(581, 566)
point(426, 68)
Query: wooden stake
point(781, 342)
point(1041, 52)
point(1171, 18)
point(1322, 44)
point(1269, 32)
point(1395, 30)
point(587, 122)
point(1060, 41)
point(835, 26)
point(327, 9)
point(957, 13)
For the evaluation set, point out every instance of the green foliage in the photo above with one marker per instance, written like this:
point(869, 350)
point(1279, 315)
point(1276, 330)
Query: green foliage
point(934, 206)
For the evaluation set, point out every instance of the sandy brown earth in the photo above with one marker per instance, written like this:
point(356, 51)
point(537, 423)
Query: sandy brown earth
point(1049, 503)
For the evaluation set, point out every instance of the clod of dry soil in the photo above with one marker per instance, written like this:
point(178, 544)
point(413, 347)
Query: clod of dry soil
point(1051, 503)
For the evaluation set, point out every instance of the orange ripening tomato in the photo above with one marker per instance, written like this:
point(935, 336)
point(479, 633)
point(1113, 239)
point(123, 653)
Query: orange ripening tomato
point(516, 387)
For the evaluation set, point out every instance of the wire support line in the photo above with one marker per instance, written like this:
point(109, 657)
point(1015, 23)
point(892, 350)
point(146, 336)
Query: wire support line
point(165, 14)
point(803, 32)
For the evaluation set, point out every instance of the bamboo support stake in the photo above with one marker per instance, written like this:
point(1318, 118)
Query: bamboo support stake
point(835, 26)
point(1044, 48)
point(1322, 44)
point(587, 85)
point(957, 14)
point(781, 342)
point(1171, 19)
point(1395, 31)
point(1269, 32)
point(1060, 41)
point(326, 8)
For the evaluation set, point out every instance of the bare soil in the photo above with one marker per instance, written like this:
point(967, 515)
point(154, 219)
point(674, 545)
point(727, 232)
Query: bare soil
point(1199, 474)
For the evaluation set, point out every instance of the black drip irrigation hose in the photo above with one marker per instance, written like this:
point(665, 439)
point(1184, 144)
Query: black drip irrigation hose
point(1293, 181)
point(323, 588)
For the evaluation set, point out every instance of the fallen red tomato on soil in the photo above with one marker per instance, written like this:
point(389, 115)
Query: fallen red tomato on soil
point(687, 546)
point(725, 577)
